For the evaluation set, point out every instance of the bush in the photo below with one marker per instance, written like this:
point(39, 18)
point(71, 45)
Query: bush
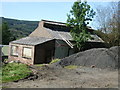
point(54, 61)
point(14, 71)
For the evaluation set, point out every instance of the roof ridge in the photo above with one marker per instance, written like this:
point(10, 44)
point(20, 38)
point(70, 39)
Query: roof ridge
point(52, 21)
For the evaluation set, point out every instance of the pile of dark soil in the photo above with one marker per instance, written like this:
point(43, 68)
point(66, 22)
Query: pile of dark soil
point(98, 57)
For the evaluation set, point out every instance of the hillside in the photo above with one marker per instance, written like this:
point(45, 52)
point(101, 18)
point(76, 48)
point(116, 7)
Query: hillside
point(20, 28)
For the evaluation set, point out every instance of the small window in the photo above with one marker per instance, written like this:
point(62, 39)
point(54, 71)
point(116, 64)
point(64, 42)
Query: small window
point(27, 52)
point(14, 50)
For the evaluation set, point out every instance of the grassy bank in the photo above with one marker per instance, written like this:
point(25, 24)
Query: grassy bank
point(54, 61)
point(14, 71)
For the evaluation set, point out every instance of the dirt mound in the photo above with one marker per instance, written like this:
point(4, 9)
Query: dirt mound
point(98, 57)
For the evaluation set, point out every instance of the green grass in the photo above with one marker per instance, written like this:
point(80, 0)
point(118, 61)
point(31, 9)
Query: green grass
point(71, 67)
point(54, 61)
point(14, 71)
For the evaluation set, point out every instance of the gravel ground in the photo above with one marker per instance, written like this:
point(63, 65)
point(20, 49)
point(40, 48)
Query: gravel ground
point(80, 77)
point(99, 57)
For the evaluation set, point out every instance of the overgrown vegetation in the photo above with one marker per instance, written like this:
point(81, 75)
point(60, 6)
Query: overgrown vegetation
point(14, 71)
point(54, 61)
point(79, 18)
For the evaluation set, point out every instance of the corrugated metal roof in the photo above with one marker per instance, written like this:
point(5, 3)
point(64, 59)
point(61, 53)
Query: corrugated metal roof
point(32, 40)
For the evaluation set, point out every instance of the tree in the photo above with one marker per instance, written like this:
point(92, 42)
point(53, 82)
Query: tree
point(79, 17)
point(109, 23)
point(6, 34)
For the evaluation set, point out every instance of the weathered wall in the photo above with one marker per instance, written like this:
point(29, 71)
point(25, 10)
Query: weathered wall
point(44, 53)
point(62, 49)
point(20, 54)
point(39, 55)
point(71, 51)
point(40, 31)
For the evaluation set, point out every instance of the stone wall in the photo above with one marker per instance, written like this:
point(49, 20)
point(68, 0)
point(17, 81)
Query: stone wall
point(20, 54)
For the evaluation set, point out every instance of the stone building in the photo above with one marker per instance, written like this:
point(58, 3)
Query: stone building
point(48, 41)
